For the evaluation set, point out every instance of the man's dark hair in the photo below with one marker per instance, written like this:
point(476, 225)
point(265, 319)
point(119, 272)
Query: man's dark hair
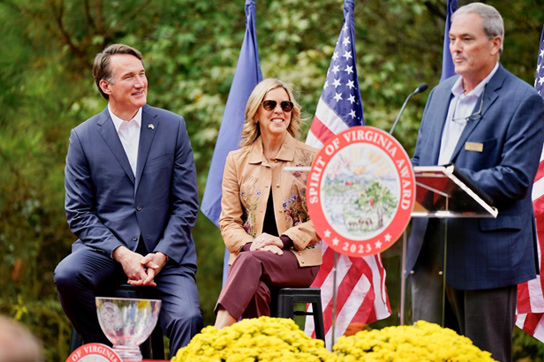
point(101, 65)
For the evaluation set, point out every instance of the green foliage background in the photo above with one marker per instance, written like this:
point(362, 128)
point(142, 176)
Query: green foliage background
point(190, 49)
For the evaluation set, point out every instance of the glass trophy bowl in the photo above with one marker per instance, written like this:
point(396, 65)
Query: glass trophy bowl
point(127, 323)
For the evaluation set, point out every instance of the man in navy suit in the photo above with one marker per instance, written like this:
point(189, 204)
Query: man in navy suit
point(490, 125)
point(132, 200)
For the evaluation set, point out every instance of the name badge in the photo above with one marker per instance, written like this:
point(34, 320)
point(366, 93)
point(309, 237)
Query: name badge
point(472, 146)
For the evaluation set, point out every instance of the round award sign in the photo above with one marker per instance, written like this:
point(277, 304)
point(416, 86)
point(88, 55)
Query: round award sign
point(361, 191)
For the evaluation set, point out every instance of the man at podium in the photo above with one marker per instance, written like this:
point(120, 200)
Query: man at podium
point(490, 124)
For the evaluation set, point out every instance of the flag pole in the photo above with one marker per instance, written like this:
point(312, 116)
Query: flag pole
point(334, 291)
point(403, 279)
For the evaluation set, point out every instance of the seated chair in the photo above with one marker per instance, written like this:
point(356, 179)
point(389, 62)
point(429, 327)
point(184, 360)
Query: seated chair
point(283, 305)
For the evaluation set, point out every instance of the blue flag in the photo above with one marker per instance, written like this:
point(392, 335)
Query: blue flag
point(447, 64)
point(246, 77)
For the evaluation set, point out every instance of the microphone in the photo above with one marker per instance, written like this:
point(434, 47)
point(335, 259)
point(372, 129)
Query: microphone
point(420, 88)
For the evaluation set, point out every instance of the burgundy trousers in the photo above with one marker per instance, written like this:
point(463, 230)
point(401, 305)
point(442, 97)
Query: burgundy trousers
point(246, 292)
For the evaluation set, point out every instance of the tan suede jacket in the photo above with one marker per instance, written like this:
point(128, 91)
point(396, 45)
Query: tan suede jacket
point(247, 181)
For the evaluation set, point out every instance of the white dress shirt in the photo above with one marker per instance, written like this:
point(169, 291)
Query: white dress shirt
point(461, 107)
point(129, 134)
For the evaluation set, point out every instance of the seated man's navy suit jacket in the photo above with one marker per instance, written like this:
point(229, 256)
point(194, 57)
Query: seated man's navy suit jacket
point(108, 206)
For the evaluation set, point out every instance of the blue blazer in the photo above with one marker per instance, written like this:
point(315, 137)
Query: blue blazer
point(485, 253)
point(108, 206)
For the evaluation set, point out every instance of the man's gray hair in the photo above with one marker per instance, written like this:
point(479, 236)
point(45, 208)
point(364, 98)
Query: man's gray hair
point(493, 24)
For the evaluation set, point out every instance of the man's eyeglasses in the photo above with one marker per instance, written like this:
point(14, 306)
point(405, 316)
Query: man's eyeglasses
point(286, 106)
point(473, 117)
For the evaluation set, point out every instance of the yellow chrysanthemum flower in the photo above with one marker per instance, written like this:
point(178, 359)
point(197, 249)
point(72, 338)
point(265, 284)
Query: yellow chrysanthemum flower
point(268, 339)
point(264, 339)
point(418, 343)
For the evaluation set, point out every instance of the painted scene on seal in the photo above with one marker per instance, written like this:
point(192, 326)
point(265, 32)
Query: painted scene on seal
point(360, 191)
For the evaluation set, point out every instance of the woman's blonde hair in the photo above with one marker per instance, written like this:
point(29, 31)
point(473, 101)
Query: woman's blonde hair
point(251, 130)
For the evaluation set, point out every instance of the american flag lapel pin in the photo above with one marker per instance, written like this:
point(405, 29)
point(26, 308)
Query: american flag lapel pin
point(151, 126)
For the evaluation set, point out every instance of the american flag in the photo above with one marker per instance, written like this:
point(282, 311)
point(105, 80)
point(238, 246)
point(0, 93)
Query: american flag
point(361, 293)
point(530, 308)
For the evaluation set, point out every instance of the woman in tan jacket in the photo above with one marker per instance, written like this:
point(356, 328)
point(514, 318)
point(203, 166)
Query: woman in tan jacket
point(264, 219)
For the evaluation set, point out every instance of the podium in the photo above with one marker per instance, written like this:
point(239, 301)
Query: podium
point(444, 192)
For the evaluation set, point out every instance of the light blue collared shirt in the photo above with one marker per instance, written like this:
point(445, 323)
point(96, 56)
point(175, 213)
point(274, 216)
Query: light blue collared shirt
point(461, 107)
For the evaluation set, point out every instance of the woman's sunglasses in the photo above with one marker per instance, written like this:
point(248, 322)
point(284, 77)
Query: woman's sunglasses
point(286, 106)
